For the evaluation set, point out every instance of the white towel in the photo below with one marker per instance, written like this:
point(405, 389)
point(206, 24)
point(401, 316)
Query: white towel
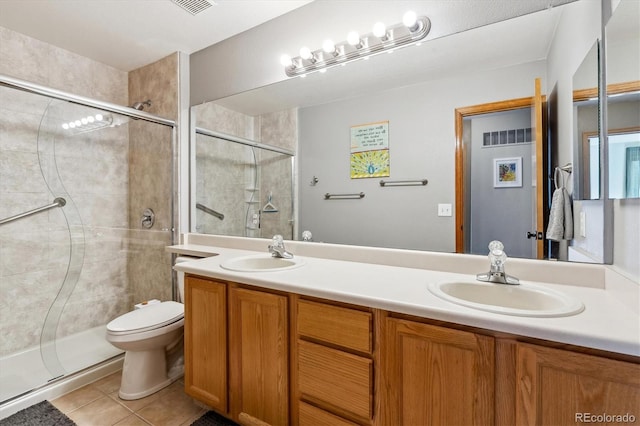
point(568, 215)
point(560, 216)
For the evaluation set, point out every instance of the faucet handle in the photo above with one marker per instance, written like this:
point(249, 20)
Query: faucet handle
point(277, 240)
point(495, 245)
point(497, 256)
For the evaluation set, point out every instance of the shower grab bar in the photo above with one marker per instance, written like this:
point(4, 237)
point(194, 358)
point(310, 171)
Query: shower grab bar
point(412, 182)
point(57, 202)
point(329, 196)
point(210, 211)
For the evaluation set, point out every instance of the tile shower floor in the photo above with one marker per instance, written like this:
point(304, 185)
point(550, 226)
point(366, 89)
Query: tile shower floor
point(98, 404)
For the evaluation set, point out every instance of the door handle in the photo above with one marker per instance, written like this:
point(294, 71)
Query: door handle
point(536, 235)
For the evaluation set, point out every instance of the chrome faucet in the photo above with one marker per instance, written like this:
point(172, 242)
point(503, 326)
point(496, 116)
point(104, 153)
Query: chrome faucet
point(276, 248)
point(496, 273)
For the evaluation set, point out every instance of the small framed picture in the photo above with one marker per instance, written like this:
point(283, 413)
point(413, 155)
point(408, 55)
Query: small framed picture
point(507, 172)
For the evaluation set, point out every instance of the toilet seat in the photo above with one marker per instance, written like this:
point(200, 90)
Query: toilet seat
point(150, 318)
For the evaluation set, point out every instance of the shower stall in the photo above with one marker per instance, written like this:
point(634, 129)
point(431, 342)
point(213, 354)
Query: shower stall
point(78, 178)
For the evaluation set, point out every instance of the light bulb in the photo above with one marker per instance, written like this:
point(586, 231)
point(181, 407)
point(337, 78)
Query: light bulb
point(323, 70)
point(72, 125)
point(379, 30)
point(78, 123)
point(84, 120)
point(328, 46)
point(410, 19)
point(90, 119)
point(353, 38)
point(305, 53)
point(65, 126)
point(99, 117)
point(286, 61)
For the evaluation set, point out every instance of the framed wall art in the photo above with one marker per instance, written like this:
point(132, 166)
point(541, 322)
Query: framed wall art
point(507, 172)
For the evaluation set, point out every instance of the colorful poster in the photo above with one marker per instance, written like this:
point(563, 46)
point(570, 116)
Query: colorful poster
point(370, 150)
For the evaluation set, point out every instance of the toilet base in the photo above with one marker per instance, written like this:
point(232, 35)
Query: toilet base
point(144, 373)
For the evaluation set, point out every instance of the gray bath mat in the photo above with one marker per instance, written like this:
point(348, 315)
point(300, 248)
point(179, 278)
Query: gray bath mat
point(41, 414)
point(211, 418)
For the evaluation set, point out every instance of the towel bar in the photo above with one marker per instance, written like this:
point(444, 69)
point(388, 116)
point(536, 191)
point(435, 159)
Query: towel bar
point(412, 182)
point(329, 196)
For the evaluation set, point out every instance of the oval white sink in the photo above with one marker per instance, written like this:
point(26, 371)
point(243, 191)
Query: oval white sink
point(520, 300)
point(261, 263)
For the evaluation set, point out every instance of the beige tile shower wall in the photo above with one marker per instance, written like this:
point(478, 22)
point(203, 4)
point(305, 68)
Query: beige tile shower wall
point(32, 60)
point(278, 129)
point(150, 179)
point(94, 171)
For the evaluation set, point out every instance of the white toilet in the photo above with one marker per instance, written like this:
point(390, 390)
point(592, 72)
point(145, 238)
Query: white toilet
point(148, 335)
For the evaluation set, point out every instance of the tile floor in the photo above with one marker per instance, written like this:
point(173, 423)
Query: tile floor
point(98, 404)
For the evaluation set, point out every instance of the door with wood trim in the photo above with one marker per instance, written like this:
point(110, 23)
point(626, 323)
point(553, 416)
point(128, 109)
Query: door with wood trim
point(462, 158)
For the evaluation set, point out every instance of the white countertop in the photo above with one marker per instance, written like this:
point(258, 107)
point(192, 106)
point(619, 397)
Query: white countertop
point(605, 324)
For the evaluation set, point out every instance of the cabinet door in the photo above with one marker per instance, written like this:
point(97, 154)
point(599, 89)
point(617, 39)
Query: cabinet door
point(258, 363)
point(205, 342)
point(436, 376)
point(558, 387)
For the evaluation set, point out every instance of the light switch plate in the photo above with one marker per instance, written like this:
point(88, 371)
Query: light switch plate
point(444, 209)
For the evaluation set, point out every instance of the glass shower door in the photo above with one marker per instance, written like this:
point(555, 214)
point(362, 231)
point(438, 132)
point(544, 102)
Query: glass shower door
point(68, 270)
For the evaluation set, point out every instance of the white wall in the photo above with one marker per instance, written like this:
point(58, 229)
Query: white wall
point(577, 31)
point(251, 59)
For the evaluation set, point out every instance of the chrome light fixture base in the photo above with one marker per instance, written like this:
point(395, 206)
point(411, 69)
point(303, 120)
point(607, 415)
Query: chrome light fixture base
point(395, 37)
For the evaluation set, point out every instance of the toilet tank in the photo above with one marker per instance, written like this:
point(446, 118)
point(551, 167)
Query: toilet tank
point(181, 259)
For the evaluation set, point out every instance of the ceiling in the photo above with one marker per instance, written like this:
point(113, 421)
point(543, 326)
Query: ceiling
point(147, 30)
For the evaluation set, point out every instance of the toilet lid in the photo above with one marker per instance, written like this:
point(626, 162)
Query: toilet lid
point(149, 318)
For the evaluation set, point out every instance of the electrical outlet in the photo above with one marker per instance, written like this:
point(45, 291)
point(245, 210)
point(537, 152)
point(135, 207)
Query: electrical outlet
point(444, 209)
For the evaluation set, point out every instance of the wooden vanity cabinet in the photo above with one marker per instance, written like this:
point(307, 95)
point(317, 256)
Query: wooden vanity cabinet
point(205, 342)
point(236, 351)
point(258, 357)
point(435, 375)
point(334, 364)
point(560, 387)
point(271, 358)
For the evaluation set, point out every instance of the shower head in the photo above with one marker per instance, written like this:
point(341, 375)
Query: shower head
point(140, 105)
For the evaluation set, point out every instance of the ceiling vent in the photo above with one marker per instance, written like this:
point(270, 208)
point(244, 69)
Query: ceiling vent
point(194, 6)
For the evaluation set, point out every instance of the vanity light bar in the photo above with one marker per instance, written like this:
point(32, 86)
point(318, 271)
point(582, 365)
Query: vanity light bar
point(381, 39)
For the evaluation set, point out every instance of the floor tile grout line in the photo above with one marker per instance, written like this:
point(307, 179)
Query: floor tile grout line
point(84, 388)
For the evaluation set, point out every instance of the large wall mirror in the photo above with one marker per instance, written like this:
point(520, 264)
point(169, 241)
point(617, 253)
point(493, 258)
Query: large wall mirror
point(413, 94)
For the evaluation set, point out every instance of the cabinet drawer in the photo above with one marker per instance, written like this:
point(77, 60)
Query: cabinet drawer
point(313, 416)
point(345, 327)
point(337, 378)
